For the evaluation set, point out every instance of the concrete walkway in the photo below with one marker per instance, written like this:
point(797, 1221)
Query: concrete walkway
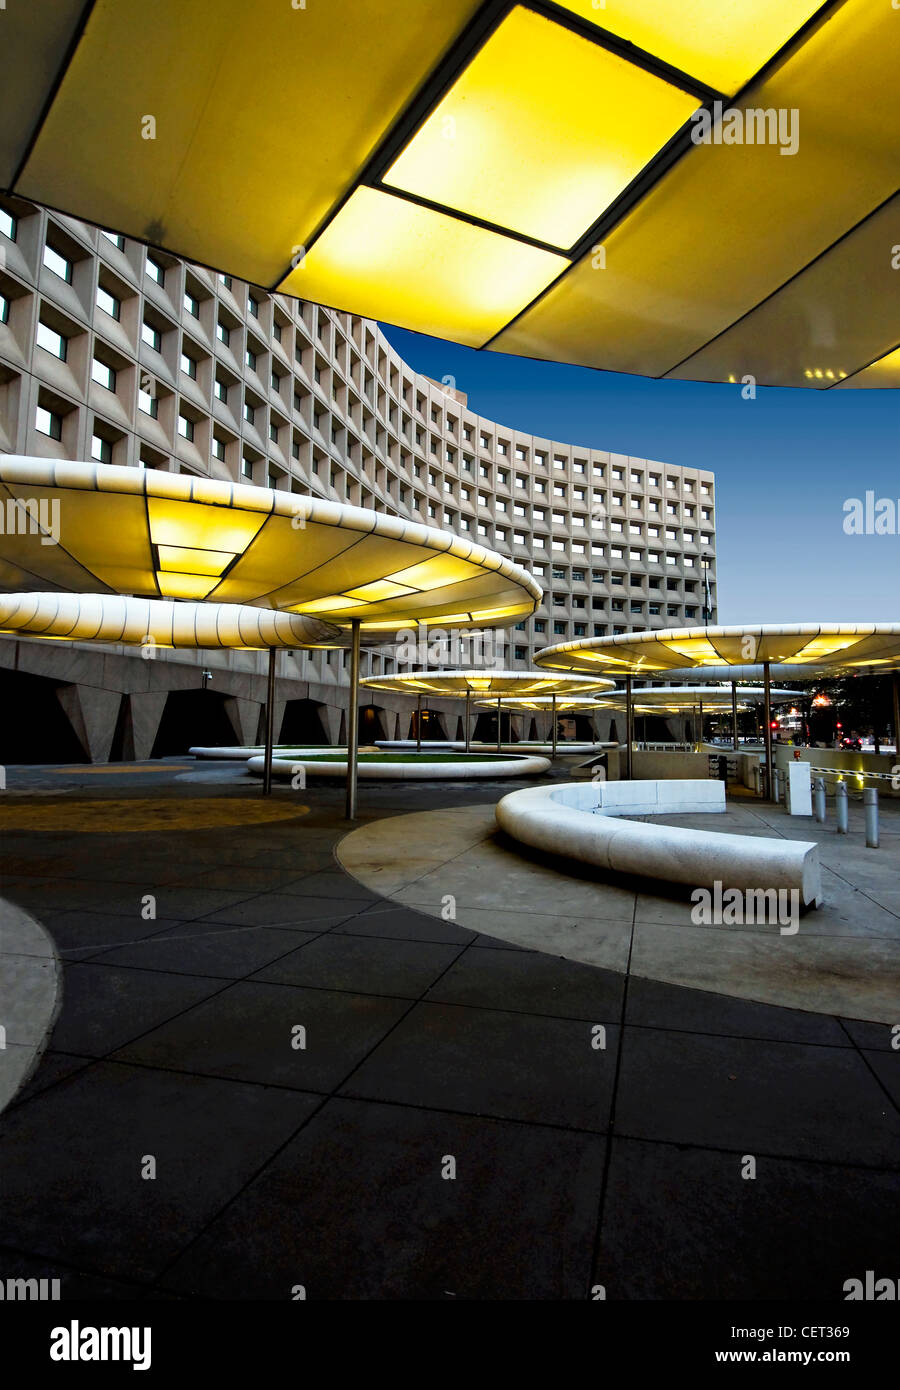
point(844, 958)
point(598, 1123)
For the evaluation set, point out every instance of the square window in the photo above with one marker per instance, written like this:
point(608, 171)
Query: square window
point(103, 374)
point(151, 336)
point(108, 302)
point(8, 225)
point(101, 449)
point(51, 341)
point(223, 332)
point(148, 404)
point(185, 427)
point(156, 270)
point(189, 365)
point(192, 304)
point(60, 265)
point(48, 422)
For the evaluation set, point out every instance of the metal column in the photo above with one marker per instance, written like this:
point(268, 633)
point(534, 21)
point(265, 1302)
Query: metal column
point(499, 698)
point(896, 691)
point(418, 723)
point(468, 736)
point(734, 726)
point(629, 727)
point(553, 732)
point(353, 720)
point(768, 732)
point(270, 723)
point(700, 739)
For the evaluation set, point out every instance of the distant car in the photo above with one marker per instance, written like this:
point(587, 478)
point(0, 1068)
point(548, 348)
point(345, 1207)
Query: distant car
point(854, 744)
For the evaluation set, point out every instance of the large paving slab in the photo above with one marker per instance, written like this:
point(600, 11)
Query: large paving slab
point(844, 959)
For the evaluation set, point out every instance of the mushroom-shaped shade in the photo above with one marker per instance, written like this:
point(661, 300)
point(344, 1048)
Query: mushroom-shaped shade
point(159, 622)
point(825, 648)
point(99, 528)
point(484, 683)
point(673, 698)
point(544, 704)
point(684, 190)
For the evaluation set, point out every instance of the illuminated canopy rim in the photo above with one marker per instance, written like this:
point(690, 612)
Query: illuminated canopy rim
point(461, 165)
point(676, 698)
point(85, 527)
point(823, 648)
point(484, 683)
point(544, 704)
point(139, 621)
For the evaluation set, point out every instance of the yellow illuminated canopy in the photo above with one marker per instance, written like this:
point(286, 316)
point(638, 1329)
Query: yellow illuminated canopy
point(825, 648)
point(519, 139)
point(99, 528)
point(484, 683)
point(704, 189)
point(140, 621)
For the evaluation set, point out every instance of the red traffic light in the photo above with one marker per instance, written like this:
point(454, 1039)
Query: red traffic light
point(773, 724)
point(839, 726)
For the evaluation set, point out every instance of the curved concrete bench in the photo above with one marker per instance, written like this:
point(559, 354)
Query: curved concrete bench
point(419, 771)
point(578, 821)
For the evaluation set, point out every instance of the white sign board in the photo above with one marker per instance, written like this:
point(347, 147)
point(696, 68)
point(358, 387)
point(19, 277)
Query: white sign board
point(799, 789)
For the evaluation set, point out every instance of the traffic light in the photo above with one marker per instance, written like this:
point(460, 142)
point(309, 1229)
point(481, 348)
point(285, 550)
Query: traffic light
point(773, 724)
point(839, 725)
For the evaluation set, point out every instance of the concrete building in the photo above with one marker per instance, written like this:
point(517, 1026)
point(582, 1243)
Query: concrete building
point(112, 352)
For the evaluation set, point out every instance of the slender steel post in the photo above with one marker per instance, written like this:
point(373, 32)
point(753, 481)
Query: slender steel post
point(896, 692)
point(819, 800)
point(768, 693)
point(353, 720)
point(553, 734)
point(629, 727)
point(468, 734)
point(418, 723)
point(734, 726)
point(701, 727)
point(841, 806)
point(499, 698)
point(270, 723)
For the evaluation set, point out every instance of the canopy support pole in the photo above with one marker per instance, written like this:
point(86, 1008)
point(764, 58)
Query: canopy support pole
point(270, 723)
point(768, 732)
point(418, 723)
point(468, 731)
point(353, 721)
point(629, 727)
point(499, 697)
point(734, 723)
point(700, 721)
point(553, 734)
point(895, 682)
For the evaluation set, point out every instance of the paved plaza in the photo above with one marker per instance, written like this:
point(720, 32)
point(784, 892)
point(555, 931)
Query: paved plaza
point(306, 1071)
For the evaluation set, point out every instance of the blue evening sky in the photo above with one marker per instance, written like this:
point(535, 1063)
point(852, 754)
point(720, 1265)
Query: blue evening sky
point(784, 465)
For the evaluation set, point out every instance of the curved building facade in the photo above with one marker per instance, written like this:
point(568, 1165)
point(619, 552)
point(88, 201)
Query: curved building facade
point(112, 352)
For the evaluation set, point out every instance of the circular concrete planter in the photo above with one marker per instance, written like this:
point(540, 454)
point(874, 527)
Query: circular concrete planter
point(405, 767)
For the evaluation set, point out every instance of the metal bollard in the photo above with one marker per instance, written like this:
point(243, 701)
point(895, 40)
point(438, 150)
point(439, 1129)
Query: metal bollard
point(819, 803)
point(841, 803)
point(776, 777)
point(870, 802)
